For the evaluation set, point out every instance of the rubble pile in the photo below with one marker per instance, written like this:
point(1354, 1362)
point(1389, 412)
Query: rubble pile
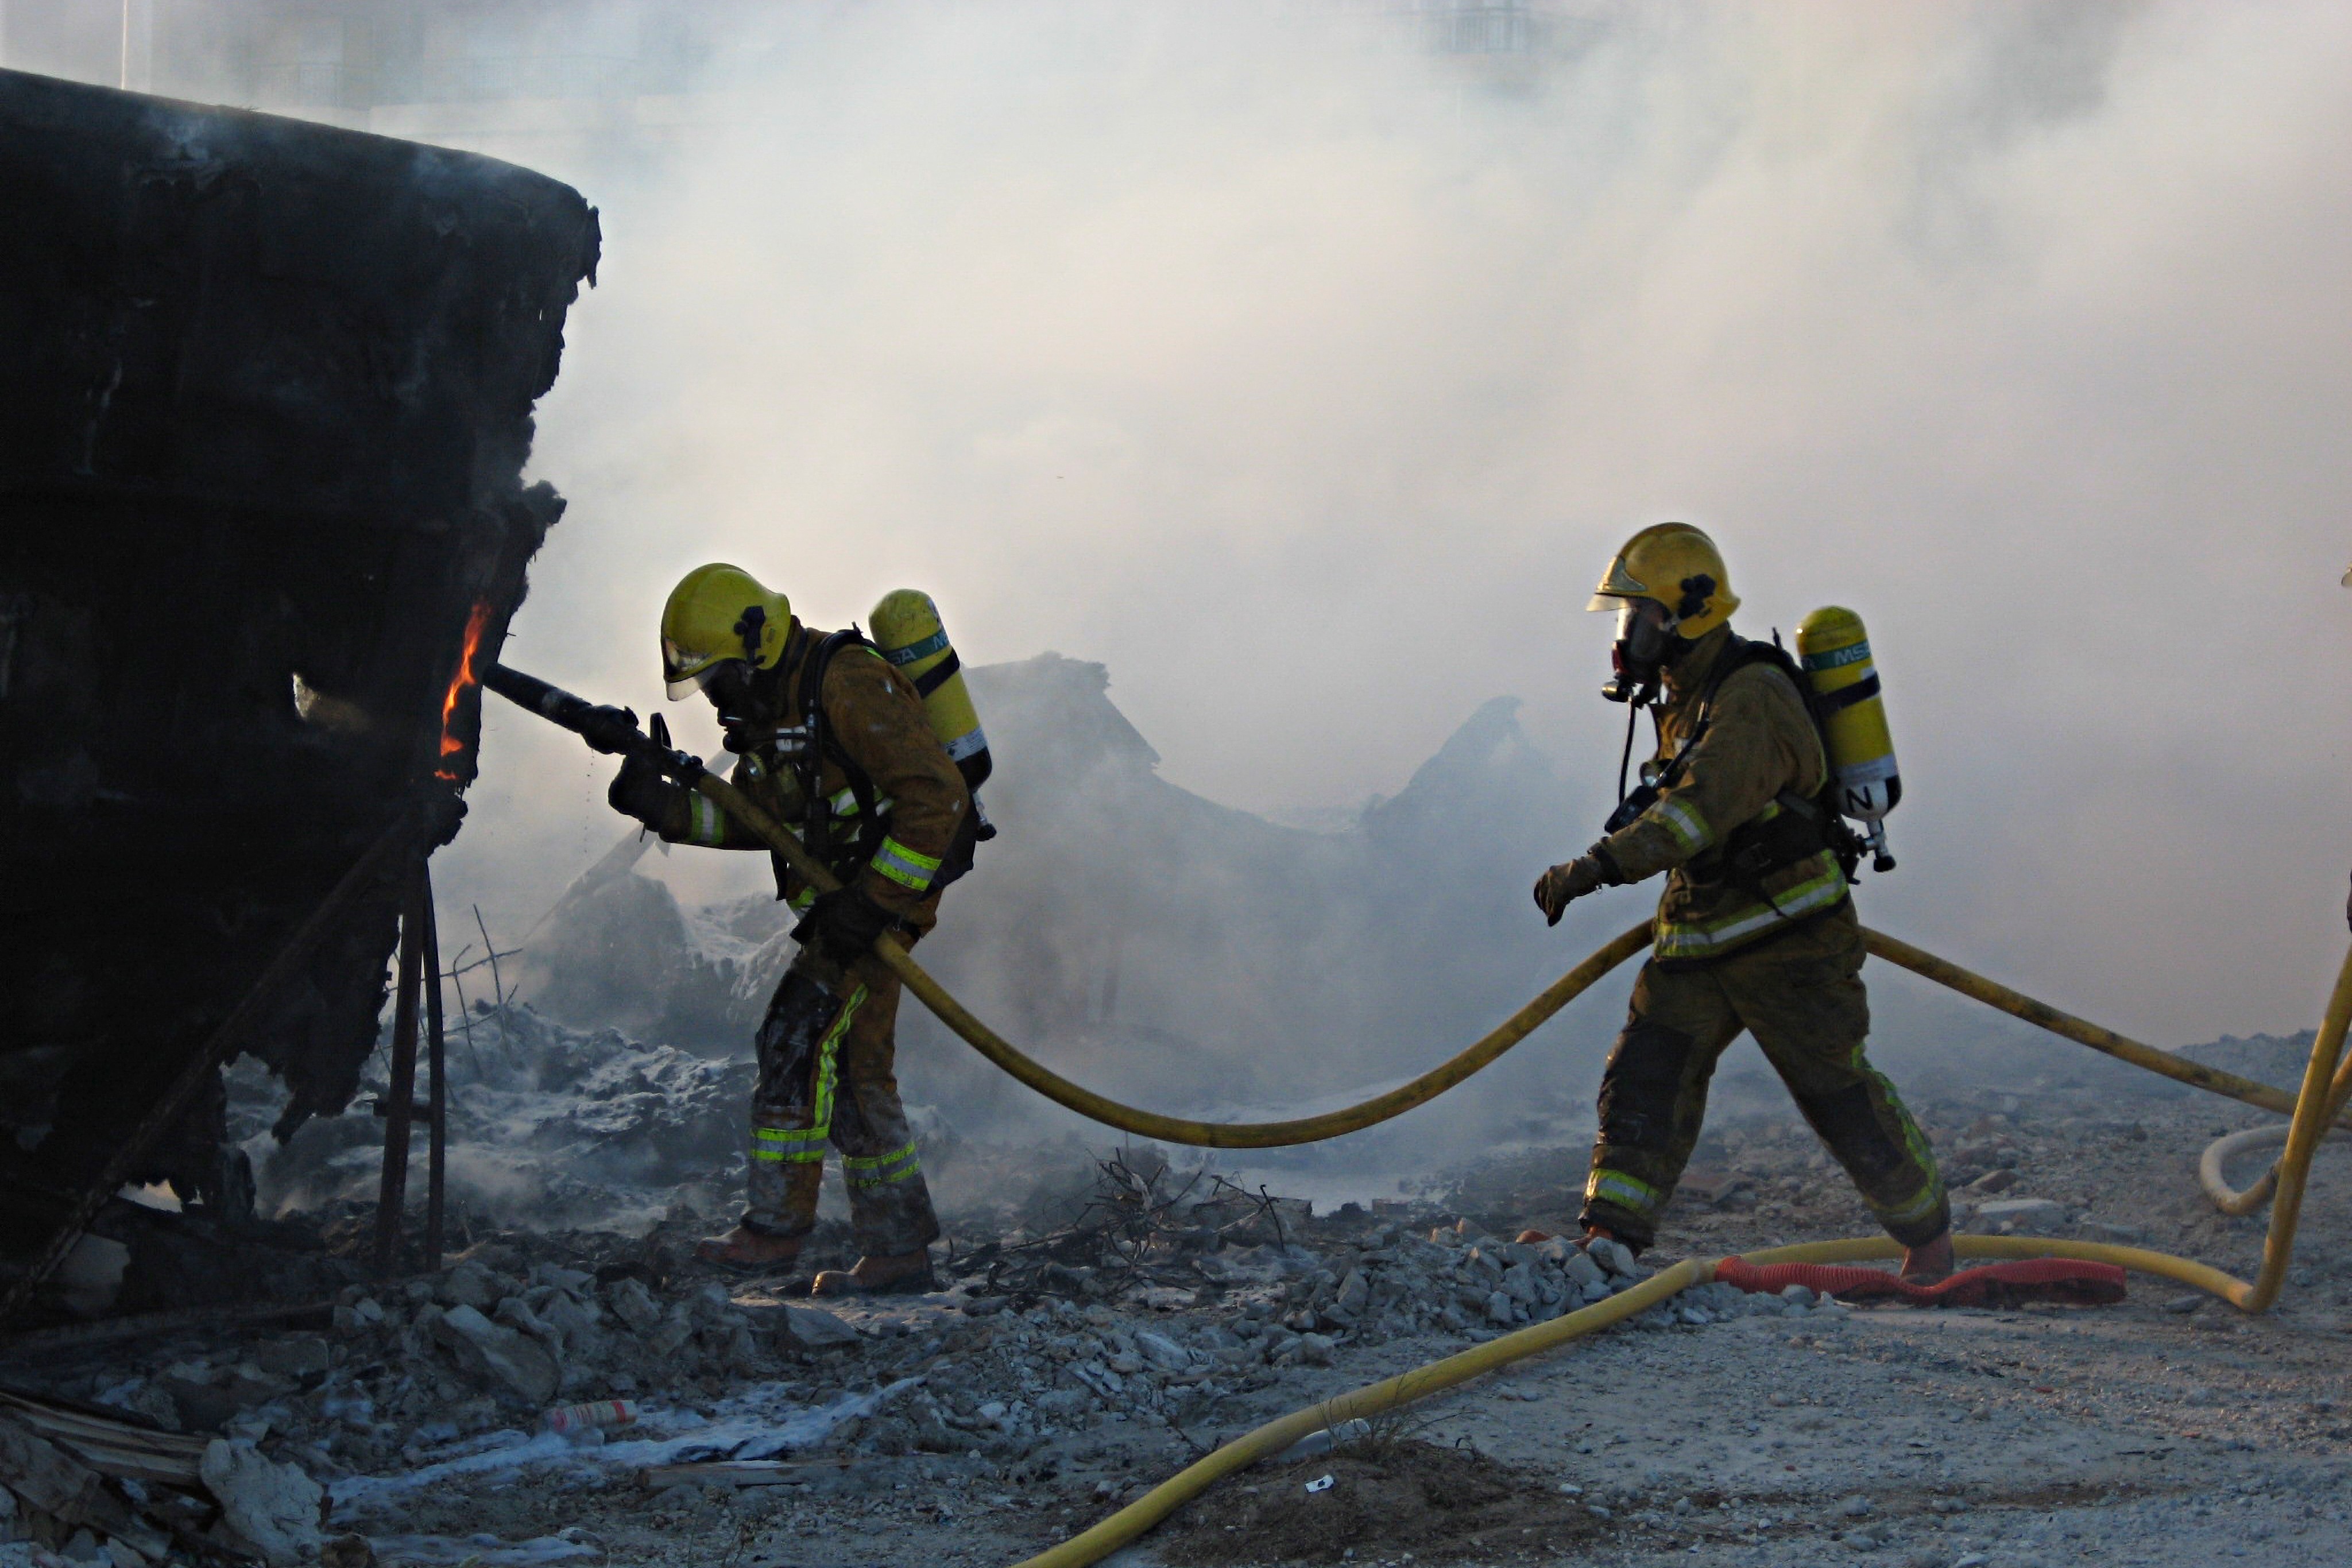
point(1135, 1226)
point(568, 1127)
point(559, 1395)
point(86, 1486)
point(469, 1372)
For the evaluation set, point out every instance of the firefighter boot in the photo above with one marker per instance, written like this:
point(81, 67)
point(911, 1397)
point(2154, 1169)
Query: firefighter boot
point(1532, 1234)
point(907, 1274)
point(780, 1212)
point(750, 1251)
point(1929, 1263)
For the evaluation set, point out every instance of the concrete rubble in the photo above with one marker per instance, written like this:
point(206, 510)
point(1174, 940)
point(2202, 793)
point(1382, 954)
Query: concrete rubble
point(270, 1504)
point(548, 1124)
point(445, 1377)
point(1101, 1321)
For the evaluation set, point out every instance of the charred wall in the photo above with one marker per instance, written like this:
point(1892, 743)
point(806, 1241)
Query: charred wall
point(265, 403)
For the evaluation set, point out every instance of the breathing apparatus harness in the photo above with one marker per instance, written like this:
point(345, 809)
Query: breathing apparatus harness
point(800, 752)
point(1803, 827)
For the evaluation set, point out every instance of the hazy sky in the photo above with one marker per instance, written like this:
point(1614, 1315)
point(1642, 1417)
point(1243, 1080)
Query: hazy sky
point(1310, 391)
point(1309, 388)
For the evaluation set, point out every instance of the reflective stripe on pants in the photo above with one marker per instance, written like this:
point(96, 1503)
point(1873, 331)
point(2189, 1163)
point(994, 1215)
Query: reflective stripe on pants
point(881, 1170)
point(1801, 996)
point(847, 1097)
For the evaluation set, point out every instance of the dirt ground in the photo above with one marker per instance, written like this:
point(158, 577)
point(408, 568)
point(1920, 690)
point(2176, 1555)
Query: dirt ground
point(958, 1429)
point(2159, 1431)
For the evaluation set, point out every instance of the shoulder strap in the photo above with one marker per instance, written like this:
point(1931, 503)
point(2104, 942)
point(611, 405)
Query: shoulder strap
point(1737, 654)
point(1818, 811)
point(823, 743)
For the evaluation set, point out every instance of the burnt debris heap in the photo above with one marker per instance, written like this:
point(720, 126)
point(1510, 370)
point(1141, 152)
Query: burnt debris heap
point(265, 402)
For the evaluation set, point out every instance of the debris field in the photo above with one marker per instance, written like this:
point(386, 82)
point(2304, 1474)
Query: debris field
point(1104, 1326)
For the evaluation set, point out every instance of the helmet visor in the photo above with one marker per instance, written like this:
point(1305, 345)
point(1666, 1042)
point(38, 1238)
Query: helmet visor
point(686, 671)
point(1644, 631)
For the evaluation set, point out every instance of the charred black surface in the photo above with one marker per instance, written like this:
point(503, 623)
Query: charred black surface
point(264, 400)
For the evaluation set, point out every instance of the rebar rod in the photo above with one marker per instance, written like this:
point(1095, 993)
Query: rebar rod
point(400, 1100)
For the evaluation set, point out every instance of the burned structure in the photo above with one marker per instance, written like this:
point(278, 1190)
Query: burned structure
point(266, 394)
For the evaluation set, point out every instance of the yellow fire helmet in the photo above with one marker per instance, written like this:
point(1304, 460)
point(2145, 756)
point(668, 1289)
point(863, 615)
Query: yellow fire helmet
point(716, 613)
point(1679, 567)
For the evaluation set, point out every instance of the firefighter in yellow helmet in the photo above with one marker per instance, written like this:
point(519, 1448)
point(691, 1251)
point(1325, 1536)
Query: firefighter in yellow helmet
point(1754, 930)
point(834, 742)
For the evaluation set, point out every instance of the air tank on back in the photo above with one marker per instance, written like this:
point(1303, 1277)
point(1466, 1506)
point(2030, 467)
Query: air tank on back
point(1834, 650)
point(907, 632)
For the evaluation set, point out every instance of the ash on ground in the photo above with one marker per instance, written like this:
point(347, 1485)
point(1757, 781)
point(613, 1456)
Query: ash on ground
point(575, 1387)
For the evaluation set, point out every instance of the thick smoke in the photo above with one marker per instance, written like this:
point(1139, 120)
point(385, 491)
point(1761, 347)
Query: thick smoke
point(1306, 381)
point(1307, 387)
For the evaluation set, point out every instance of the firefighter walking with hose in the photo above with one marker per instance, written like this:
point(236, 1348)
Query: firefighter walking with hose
point(1756, 930)
point(834, 737)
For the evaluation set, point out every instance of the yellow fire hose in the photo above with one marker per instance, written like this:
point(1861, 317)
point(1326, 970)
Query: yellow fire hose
point(2042, 1015)
point(2303, 1134)
point(2326, 1086)
point(2212, 1168)
point(2315, 1111)
point(1445, 1075)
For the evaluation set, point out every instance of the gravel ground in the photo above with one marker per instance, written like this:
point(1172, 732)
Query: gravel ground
point(970, 1427)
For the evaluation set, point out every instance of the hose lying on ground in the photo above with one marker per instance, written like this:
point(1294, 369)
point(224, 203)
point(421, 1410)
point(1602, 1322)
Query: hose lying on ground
point(2213, 1168)
point(2311, 1107)
point(2213, 1164)
point(2319, 1103)
point(1108, 1536)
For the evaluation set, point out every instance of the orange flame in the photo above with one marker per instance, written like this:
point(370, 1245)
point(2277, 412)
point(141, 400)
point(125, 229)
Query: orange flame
point(451, 745)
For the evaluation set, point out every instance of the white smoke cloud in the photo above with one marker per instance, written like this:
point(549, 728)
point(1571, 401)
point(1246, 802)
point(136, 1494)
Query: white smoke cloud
point(1308, 384)
point(1308, 388)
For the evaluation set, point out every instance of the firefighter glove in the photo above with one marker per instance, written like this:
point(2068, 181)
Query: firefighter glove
point(1564, 884)
point(639, 790)
point(842, 924)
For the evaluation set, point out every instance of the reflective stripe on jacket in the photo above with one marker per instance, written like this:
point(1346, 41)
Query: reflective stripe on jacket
point(873, 713)
point(1759, 742)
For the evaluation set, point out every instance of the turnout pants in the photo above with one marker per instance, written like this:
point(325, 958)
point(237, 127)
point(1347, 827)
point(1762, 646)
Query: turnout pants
point(1801, 996)
point(827, 1059)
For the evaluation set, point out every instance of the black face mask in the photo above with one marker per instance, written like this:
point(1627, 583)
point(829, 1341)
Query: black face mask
point(1645, 644)
point(744, 699)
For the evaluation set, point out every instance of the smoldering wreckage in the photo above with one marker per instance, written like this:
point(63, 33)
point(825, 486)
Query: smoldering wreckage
point(274, 381)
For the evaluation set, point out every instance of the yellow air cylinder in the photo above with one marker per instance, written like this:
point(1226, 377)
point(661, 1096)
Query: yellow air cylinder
point(907, 632)
point(1834, 650)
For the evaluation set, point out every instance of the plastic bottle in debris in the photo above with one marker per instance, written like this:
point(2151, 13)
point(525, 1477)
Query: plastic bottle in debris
point(575, 1419)
point(1324, 1441)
